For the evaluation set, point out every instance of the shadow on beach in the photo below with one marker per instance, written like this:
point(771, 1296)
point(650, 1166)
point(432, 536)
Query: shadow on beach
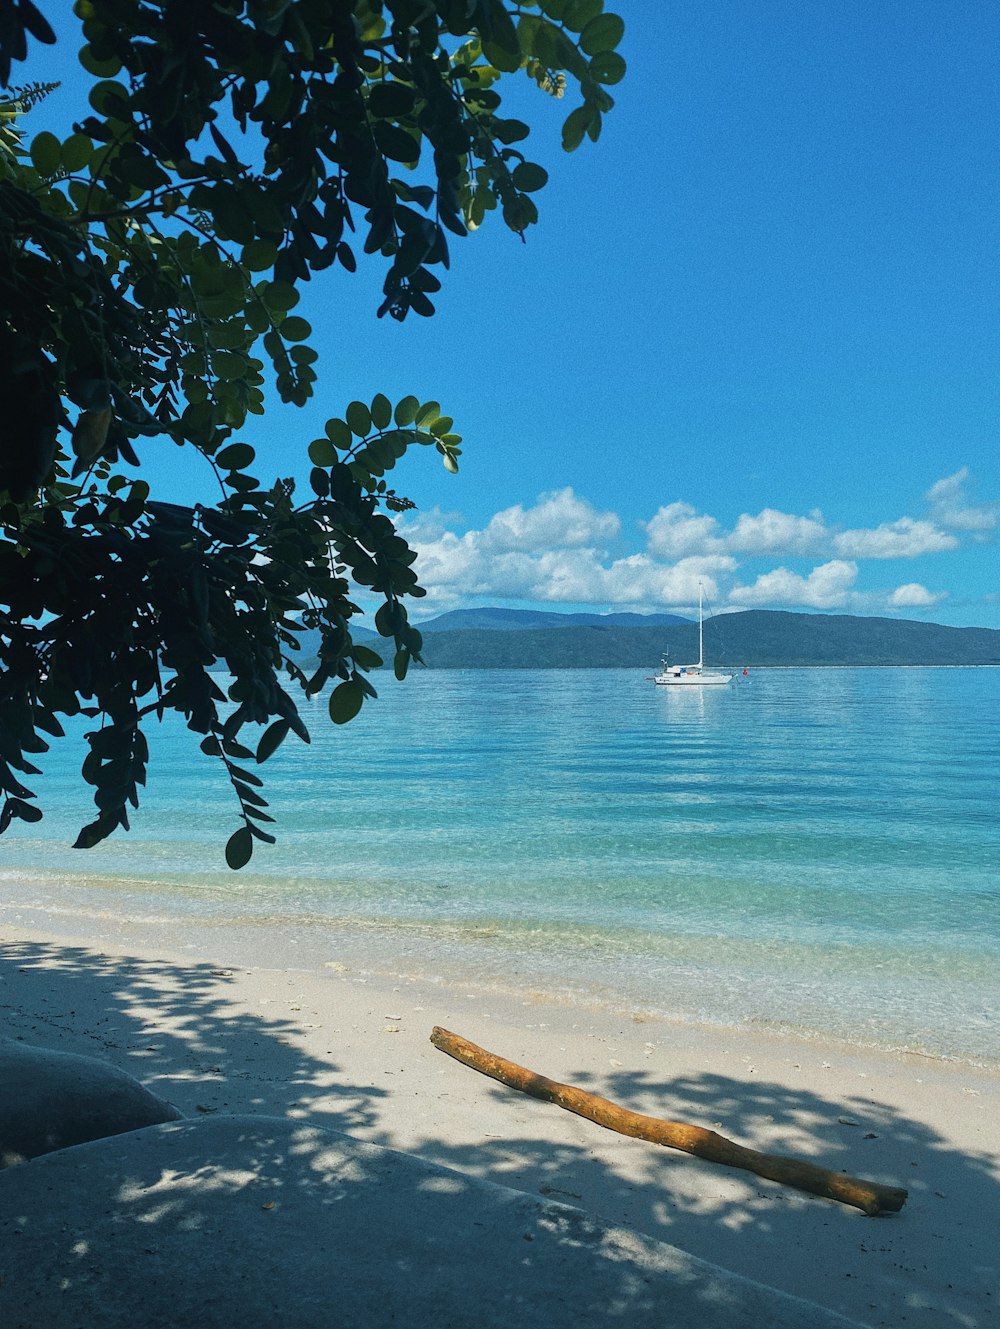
point(884, 1271)
point(933, 1266)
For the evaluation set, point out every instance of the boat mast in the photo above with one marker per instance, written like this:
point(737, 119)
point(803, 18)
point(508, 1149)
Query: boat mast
point(701, 645)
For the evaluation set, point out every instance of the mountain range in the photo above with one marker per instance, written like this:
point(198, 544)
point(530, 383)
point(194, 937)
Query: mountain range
point(536, 639)
point(521, 620)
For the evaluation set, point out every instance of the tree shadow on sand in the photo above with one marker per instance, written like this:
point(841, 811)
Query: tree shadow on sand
point(879, 1270)
point(178, 1030)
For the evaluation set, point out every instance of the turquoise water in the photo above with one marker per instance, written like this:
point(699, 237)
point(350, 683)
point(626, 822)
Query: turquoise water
point(816, 851)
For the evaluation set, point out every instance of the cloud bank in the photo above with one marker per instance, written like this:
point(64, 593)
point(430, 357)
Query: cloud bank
point(562, 550)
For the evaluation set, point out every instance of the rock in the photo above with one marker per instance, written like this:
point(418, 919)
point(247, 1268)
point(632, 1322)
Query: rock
point(49, 1100)
point(225, 1222)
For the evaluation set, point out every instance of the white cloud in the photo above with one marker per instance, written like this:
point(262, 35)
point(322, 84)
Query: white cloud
point(679, 529)
point(543, 552)
point(779, 533)
point(904, 538)
point(641, 581)
point(570, 577)
point(951, 507)
point(826, 587)
point(915, 596)
point(426, 525)
point(559, 520)
point(466, 566)
point(564, 550)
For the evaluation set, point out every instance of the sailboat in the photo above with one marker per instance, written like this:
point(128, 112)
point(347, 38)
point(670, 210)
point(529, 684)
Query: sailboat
point(694, 675)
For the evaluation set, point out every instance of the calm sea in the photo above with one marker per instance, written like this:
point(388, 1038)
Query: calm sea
point(810, 850)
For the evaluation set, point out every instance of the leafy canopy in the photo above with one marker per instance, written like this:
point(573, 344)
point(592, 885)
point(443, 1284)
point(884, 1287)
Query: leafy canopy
point(152, 266)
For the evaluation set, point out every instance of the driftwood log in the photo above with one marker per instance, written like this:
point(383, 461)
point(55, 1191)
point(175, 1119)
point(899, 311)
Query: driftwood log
point(868, 1196)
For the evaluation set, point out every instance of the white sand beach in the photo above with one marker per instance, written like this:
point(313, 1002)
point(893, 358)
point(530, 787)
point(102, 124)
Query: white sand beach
point(223, 1021)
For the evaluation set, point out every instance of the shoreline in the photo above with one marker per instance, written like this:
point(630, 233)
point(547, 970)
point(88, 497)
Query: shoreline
point(216, 1025)
point(674, 987)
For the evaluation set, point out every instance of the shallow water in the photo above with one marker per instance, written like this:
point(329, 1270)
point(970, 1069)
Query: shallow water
point(816, 850)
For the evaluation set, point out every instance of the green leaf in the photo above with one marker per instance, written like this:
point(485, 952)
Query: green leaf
point(391, 100)
point(26, 811)
point(386, 618)
point(250, 799)
point(557, 50)
point(502, 48)
point(322, 452)
point(400, 664)
point(77, 152)
point(450, 464)
point(510, 131)
point(239, 848)
point(236, 457)
point(108, 98)
point(428, 413)
point(359, 418)
point(395, 143)
point(259, 255)
point(366, 658)
point(229, 365)
point(271, 739)
point(46, 153)
point(345, 701)
point(528, 177)
point(601, 34)
point(607, 67)
point(294, 328)
point(406, 411)
point(99, 68)
point(280, 296)
point(519, 212)
point(578, 13)
point(339, 433)
point(381, 411)
point(396, 441)
point(576, 125)
point(503, 58)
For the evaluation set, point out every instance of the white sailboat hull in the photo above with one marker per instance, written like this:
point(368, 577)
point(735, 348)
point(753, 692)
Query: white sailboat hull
point(691, 680)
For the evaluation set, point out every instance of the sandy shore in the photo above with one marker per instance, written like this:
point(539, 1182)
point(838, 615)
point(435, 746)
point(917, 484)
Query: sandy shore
point(213, 1022)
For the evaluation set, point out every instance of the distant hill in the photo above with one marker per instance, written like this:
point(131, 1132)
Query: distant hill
point(774, 637)
point(520, 620)
point(756, 637)
point(310, 642)
point(499, 620)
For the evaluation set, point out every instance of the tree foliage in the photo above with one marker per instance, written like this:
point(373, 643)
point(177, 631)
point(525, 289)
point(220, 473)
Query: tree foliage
point(152, 264)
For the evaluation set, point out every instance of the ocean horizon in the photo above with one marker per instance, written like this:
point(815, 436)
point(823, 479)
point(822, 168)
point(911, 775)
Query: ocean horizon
point(808, 851)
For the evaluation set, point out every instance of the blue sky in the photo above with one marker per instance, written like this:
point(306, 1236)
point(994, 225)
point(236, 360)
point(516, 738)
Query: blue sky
point(753, 341)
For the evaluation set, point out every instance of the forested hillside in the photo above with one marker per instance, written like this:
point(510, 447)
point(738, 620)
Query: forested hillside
point(757, 637)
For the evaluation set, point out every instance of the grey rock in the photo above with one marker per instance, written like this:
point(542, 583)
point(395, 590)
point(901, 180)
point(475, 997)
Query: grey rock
point(49, 1100)
point(223, 1222)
